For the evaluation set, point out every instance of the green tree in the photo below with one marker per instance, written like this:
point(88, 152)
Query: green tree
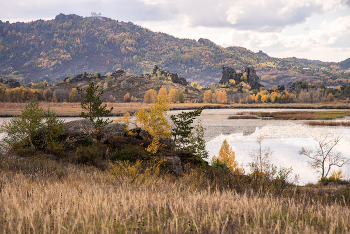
point(182, 127)
point(34, 125)
point(197, 142)
point(93, 104)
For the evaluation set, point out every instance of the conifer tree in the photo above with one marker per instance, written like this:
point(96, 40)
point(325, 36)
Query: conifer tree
point(93, 104)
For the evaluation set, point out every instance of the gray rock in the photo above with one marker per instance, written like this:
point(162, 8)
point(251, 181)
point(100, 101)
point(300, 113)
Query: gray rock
point(112, 130)
point(167, 143)
point(227, 74)
point(174, 164)
point(253, 79)
point(145, 135)
point(81, 127)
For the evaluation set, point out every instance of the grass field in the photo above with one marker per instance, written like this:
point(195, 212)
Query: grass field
point(39, 195)
point(64, 109)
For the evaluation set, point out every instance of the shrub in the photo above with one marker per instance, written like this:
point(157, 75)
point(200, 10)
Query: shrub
point(90, 155)
point(34, 127)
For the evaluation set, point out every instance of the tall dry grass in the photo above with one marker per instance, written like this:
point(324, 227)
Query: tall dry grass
point(75, 199)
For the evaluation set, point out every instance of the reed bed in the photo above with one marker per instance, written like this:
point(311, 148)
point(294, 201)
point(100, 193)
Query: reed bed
point(86, 200)
point(328, 123)
point(294, 115)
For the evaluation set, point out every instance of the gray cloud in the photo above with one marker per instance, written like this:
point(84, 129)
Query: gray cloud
point(257, 15)
point(127, 10)
point(265, 15)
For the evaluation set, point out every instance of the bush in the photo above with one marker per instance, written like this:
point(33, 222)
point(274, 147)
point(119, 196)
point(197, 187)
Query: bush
point(90, 155)
point(34, 127)
point(122, 155)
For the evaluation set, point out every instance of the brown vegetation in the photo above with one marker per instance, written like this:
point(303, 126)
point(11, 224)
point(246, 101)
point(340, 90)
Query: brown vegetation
point(294, 115)
point(328, 123)
point(44, 196)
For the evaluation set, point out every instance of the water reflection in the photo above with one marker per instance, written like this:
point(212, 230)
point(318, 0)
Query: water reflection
point(285, 138)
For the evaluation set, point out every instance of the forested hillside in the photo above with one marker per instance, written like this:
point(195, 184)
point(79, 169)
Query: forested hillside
point(70, 44)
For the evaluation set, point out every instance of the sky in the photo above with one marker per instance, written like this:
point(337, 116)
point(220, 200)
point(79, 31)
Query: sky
point(311, 29)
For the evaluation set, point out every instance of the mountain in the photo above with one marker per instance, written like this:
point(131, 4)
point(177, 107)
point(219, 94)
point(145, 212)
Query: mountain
point(70, 44)
point(345, 64)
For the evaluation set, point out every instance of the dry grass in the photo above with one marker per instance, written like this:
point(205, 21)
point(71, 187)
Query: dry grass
point(66, 109)
point(293, 115)
point(85, 200)
point(328, 123)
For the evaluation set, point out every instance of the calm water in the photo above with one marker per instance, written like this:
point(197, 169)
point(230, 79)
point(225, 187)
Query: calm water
point(285, 138)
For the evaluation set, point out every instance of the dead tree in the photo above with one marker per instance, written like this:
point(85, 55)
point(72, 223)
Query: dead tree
point(324, 157)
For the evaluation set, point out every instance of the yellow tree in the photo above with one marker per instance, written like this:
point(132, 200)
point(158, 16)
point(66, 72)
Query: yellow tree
point(207, 96)
point(54, 97)
point(150, 96)
point(172, 95)
point(155, 122)
point(228, 156)
point(127, 97)
point(73, 95)
point(330, 97)
point(221, 97)
point(162, 92)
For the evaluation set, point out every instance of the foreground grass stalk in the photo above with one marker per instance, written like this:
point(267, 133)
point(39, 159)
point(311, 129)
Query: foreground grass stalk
point(90, 201)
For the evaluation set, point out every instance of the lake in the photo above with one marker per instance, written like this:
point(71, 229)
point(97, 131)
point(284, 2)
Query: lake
point(285, 138)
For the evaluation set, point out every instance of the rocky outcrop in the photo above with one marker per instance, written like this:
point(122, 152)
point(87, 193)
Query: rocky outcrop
point(206, 42)
point(230, 74)
point(253, 79)
point(115, 136)
point(175, 78)
point(227, 74)
point(78, 130)
point(118, 73)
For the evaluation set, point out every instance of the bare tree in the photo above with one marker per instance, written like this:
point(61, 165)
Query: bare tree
point(324, 157)
point(261, 157)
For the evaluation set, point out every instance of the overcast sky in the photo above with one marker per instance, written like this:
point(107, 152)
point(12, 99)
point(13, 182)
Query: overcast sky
point(312, 29)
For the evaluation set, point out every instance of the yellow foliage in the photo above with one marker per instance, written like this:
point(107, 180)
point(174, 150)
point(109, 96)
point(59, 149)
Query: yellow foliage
point(155, 122)
point(150, 96)
point(162, 92)
point(172, 95)
point(127, 98)
point(330, 97)
point(228, 156)
point(73, 95)
point(135, 172)
point(221, 97)
point(337, 175)
point(207, 96)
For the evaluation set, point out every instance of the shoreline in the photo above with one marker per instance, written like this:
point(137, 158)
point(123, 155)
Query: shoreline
point(119, 109)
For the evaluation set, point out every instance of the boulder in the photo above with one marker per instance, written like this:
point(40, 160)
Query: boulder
point(140, 134)
point(167, 143)
point(81, 127)
point(173, 164)
point(112, 130)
